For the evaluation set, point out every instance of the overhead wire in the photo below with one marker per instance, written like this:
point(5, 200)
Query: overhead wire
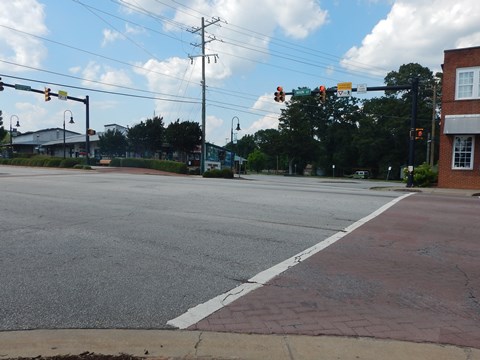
point(183, 27)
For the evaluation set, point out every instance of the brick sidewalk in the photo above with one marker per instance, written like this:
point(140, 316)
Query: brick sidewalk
point(412, 274)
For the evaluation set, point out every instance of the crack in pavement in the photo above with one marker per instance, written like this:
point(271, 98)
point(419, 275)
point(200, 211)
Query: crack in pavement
point(470, 290)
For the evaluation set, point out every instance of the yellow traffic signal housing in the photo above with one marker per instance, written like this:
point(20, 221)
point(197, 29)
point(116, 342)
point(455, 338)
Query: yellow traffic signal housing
point(279, 94)
point(322, 90)
point(47, 94)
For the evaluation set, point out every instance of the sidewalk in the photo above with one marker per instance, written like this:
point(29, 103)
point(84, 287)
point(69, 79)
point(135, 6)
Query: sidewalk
point(406, 285)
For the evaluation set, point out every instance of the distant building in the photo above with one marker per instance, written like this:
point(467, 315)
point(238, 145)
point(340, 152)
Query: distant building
point(50, 142)
point(459, 157)
point(33, 142)
point(116, 127)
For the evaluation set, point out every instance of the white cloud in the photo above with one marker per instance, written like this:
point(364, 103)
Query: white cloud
point(213, 124)
point(269, 121)
point(238, 50)
point(468, 41)
point(104, 77)
point(110, 36)
point(297, 18)
point(75, 69)
point(416, 31)
point(28, 16)
point(29, 113)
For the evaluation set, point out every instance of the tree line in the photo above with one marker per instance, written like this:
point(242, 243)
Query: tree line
point(150, 138)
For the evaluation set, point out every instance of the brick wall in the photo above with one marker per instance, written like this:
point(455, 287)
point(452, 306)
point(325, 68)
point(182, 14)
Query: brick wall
point(448, 178)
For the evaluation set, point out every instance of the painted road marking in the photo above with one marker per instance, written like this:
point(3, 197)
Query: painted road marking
point(201, 311)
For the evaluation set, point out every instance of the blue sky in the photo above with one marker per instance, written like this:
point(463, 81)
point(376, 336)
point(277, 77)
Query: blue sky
point(144, 50)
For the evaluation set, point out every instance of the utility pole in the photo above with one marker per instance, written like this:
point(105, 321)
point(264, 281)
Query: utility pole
point(204, 111)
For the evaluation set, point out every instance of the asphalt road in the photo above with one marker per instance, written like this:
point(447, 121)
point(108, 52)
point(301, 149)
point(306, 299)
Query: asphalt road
point(87, 249)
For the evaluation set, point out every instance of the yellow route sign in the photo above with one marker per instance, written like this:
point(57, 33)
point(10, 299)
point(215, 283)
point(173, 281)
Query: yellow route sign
point(344, 89)
point(62, 95)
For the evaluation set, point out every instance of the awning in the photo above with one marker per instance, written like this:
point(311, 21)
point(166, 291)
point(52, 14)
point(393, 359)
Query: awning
point(462, 124)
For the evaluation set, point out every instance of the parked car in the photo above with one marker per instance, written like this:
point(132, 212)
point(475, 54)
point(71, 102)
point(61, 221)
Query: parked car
point(361, 174)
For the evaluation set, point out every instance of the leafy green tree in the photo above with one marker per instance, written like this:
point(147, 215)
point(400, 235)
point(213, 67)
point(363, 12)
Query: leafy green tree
point(155, 136)
point(299, 125)
point(246, 145)
point(3, 132)
point(257, 160)
point(113, 143)
point(146, 138)
point(338, 127)
point(383, 136)
point(137, 138)
point(183, 136)
point(269, 141)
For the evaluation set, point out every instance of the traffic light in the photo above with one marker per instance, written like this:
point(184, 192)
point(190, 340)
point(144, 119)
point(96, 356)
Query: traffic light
point(47, 94)
point(1, 84)
point(91, 132)
point(322, 91)
point(418, 133)
point(279, 94)
point(1, 118)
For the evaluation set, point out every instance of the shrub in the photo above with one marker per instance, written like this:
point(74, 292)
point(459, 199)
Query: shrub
point(227, 173)
point(217, 173)
point(423, 176)
point(82, 167)
point(70, 162)
point(53, 162)
point(163, 165)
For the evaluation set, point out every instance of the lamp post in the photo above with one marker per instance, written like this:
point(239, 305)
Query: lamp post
point(11, 132)
point(70, 122)
point(231, 139)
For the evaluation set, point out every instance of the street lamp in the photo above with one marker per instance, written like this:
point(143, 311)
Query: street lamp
point(11, 131)
point(231, 139)
point(70, 122)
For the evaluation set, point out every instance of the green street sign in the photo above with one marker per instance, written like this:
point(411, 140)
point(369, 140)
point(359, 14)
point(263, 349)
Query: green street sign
point(22, 87)
point(302, 92)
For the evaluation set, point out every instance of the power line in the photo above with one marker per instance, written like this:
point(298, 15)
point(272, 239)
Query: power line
point(93, 90)
point(282, 43)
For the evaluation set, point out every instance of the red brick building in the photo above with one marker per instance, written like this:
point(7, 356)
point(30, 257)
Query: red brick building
point(459, 157)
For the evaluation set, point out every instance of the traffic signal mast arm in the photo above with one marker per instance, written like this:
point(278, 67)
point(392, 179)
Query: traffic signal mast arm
point(43, 92)
point(371, 88)
point(414, 131)
point(48, 93)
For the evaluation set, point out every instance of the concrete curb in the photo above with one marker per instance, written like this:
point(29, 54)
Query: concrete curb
point(436, 191)
point(175, 344)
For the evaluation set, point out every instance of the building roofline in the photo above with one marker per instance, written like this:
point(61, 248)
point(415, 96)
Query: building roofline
point(462, 49)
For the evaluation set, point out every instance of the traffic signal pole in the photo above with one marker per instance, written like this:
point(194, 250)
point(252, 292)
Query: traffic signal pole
point(413, 126)
point(413, 87)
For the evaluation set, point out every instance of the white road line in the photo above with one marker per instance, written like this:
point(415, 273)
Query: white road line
point(201, 311)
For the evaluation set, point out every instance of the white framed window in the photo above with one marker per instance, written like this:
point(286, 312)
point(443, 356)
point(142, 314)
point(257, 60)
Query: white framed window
point(468, 83)
point(462, 158)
